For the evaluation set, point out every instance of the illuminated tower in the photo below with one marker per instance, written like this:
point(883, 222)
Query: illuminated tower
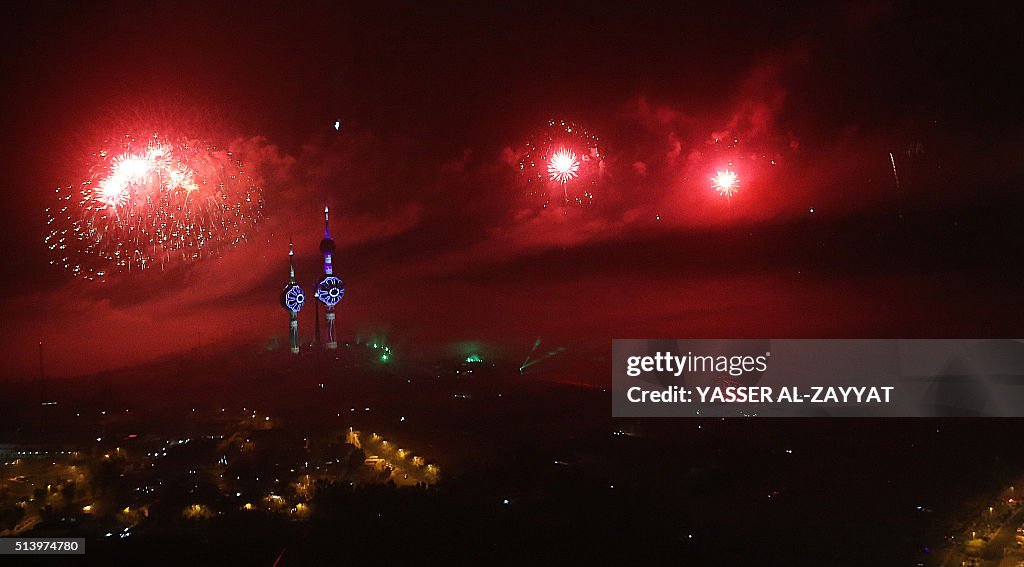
point(330, 289)
point(292, 300)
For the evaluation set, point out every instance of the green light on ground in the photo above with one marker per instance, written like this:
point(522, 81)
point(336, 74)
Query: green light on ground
point(384, 358)
point(474, 358)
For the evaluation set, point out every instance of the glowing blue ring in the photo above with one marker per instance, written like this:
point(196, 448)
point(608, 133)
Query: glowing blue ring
point(292, 298)
point(330, 290)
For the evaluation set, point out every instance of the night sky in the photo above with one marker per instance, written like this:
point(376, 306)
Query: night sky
point(441, 242)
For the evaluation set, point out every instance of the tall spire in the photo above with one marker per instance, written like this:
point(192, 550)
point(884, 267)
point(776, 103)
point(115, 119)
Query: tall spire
point(330, 289)
point(327, 245)
point(327, 231)
point(292, 300)
point(291, 260)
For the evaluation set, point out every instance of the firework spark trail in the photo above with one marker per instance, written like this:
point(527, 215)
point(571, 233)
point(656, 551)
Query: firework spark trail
point(894, 174)
point(566, 157)
point(726, 183)
point(148, 202)
point(563, 166)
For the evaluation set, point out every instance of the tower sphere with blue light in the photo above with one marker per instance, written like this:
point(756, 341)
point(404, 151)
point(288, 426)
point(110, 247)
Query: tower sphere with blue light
point(292, 298)
point(330, 290)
